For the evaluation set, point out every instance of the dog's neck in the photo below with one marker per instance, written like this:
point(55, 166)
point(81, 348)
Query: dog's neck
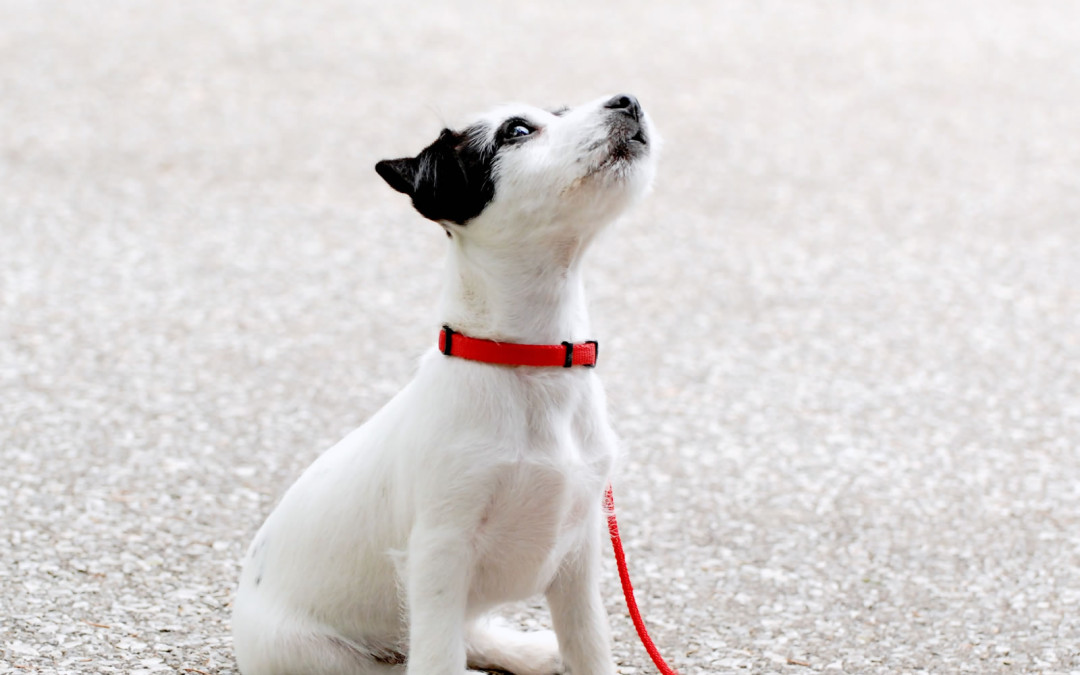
point(516, 296)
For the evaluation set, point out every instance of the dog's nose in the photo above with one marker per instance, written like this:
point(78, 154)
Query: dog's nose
point(625, 103)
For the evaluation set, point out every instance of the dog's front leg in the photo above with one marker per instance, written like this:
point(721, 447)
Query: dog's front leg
point(438, 572)
point(577, 608)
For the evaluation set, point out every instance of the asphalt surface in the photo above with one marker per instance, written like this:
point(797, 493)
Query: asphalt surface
point(841, 339)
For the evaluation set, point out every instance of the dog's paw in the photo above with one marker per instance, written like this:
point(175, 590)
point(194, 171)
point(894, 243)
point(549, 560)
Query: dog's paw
point(497, 647)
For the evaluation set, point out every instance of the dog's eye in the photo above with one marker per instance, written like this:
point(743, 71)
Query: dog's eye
point(517, 129)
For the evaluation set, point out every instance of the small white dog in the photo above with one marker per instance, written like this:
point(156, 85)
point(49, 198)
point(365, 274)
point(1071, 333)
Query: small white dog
point(478, 484)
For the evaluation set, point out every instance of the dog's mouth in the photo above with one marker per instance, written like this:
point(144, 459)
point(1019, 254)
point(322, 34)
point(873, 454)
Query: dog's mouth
point(625, 131)
point(628, 142)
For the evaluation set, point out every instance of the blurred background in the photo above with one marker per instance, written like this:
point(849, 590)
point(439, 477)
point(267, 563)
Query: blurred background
point(841, 338)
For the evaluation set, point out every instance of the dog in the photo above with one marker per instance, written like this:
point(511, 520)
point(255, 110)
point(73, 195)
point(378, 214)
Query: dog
point(478, 484)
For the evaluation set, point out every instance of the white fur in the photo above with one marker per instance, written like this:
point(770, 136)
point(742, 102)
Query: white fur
point(477, 484)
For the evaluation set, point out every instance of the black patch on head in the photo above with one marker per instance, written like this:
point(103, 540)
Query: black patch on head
point(449, 180)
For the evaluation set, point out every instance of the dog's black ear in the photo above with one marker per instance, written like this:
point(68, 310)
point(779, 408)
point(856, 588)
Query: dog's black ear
point(449, 180)
point(398, 173)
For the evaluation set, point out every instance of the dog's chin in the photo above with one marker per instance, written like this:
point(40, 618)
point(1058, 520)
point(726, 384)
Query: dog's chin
point(618, 179)
point(625, 153)
point(627, 144)
point(628, 161)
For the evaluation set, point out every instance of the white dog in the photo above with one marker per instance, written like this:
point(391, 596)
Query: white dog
point(478, 484)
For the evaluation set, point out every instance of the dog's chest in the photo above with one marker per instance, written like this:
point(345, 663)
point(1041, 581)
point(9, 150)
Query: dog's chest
point(543, 498)
point(536, 517)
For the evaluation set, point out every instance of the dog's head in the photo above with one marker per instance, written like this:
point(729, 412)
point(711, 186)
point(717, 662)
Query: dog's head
point(531, 167)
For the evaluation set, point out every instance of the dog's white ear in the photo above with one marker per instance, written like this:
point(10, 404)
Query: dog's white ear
point(400, 174)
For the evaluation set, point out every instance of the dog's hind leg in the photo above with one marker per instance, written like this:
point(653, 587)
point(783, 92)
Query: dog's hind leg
point(492, 645)
point(318, 654)
point(269, 640)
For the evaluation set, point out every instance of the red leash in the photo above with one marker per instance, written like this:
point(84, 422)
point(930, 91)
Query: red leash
point(628, 589)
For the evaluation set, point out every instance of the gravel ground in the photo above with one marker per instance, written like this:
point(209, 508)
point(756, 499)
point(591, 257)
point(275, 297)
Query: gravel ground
point(841, 339)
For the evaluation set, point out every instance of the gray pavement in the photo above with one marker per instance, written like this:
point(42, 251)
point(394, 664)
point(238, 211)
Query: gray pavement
point(841, 339)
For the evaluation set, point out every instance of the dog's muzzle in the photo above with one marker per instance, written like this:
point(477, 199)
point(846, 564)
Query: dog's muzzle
point(627, 128)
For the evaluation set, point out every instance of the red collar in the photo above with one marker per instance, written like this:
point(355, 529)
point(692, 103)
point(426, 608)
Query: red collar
point(566, 354)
